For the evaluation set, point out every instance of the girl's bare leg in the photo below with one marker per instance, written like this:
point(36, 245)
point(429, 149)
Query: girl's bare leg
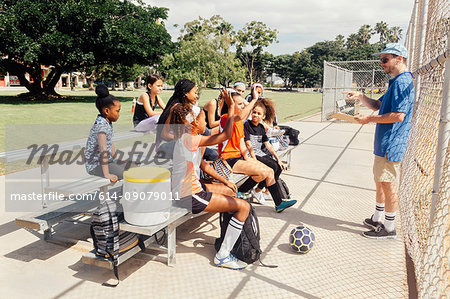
point(224, 203)
point(219, 188)
point(257, 170)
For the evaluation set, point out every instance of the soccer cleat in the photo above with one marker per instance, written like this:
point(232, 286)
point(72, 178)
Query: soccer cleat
point(230, 262)
point(380, 233)
point(284, 205)
point(259, 196)
point(370, 223)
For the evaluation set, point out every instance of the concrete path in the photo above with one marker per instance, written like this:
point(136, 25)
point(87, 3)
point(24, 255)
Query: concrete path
point(331, 178)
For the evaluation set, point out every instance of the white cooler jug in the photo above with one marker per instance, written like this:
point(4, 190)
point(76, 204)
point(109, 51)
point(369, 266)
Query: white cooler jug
point(146, 196)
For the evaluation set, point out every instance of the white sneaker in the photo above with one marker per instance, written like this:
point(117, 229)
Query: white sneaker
point(259, 196)
point(267, 196)
point(230, 262)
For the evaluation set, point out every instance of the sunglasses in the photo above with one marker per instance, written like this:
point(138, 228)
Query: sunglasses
point(384, 59)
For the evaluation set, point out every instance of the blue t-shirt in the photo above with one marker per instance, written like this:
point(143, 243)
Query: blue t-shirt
point(391, 139)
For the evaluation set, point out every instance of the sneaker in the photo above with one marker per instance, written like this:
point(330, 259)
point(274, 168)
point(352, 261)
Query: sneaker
point(230, 262)
point(259, 196)
point(241, 195)
point(284, 205)
point(380, 233)
point(267, 195)
point(370, 223)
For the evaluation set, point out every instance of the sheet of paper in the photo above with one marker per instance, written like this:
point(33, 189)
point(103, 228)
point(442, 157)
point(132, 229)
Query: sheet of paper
point(344, 117)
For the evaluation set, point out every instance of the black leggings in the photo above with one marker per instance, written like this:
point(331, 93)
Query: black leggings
point(272, 163)
point(114, 168)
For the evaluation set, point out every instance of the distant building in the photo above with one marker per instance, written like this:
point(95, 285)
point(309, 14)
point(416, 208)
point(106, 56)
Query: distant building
point(275, 80)
point(11, 80)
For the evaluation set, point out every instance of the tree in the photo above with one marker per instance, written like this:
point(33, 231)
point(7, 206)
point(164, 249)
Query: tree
point(282, 66)
point(122, 73)
point(250, 42)
point(203, 54)
point(353, 41)
point(70, 35)
point(382, 29)
point(326, 50)
point(365, 33)
point(305, 72)
point(394, 34)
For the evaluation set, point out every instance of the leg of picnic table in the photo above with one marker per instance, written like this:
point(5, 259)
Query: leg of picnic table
point(171, 244)
point(45, 179)
point(47, 234)
point(289, 160)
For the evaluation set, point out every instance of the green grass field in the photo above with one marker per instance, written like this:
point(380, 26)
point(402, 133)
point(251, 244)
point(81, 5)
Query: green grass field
point(80, 109)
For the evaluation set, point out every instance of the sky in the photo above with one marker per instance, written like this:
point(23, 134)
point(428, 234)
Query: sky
point(301, 23)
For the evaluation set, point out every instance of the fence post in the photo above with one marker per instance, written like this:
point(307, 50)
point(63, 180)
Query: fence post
point(373, 81)
point(412, 35)
point(335, 86)
point(324, 90)
point(444, 135)
point(423, 31)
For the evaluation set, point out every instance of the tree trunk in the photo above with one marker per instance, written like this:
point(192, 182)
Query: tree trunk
point(51, 81)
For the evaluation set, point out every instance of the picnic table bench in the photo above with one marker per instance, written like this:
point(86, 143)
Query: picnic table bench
point(57, 212)
point(177, 217)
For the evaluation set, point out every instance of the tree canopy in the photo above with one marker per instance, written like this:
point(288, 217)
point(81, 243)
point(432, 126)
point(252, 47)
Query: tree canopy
point(305, 68)
point(203, 54)
point(68, 35)
point(250, 43)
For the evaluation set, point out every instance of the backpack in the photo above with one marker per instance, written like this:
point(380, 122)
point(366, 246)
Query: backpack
point(247, 248)
point(109, 241)
point(284, 190)
point(292, 134)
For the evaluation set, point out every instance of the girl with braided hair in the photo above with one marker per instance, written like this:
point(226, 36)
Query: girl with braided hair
point(187, 125)
point(185, 93)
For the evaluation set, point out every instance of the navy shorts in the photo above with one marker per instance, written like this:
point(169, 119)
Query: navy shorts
point(232, 161)
point(200, 201)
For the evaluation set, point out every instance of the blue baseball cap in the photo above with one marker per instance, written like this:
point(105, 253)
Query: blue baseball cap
point(396, 49)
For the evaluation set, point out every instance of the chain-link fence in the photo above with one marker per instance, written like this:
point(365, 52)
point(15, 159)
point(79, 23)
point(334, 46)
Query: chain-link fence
point(425, 182)
point(366, 76)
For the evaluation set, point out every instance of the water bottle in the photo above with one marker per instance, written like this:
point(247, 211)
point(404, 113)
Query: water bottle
point(134, 105)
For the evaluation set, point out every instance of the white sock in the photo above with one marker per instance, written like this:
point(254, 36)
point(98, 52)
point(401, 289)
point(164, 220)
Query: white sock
point(389, 221)
point(232, 234)
point(378, 215)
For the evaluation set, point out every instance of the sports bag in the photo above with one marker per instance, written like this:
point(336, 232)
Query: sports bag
point(292, 134)
point(247, 248)
point(284, 190)
point(108, 240)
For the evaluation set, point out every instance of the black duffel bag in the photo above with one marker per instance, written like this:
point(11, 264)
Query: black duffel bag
point(292, 134)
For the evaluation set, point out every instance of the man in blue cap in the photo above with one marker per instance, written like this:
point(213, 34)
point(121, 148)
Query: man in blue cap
point(393, 123)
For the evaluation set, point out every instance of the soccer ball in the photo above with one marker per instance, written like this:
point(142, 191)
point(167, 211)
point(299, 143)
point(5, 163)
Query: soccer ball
point(301, 239)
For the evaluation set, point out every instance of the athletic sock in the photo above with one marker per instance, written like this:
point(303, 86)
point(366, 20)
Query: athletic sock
point(275, 193)
point(389, 221)
point(379, 209)
point(262, 184)
point(247, 185)
point(231, 235)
